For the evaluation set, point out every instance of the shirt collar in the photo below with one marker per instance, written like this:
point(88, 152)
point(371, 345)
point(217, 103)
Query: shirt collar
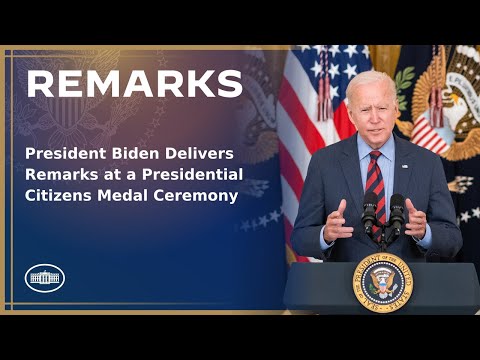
point(387, 150)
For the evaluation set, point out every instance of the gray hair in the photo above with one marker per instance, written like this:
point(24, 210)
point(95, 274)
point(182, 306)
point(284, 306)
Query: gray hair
point(368, 77)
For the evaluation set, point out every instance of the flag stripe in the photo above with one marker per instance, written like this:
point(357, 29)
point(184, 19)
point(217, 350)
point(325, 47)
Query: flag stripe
point(418, 134)
point(436, 143)
point(300, 83)
point(292, 141)
point(291, 174)
point(442, 147)
point(426, 136)
point(296, 111)
point(290, 202)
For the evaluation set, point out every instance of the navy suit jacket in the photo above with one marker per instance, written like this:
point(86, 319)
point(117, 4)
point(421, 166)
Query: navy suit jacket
point(334, 174)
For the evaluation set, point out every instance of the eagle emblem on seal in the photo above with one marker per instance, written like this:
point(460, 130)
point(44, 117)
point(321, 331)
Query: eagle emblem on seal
point(382, 280)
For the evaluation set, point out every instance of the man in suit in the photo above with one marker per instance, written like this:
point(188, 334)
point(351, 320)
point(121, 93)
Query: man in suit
point(329, 226)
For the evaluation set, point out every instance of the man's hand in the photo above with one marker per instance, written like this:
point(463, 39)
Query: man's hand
point(417, 225)
point(334, 227)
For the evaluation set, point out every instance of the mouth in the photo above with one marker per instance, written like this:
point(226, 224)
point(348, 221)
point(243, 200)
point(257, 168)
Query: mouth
point(375, 131)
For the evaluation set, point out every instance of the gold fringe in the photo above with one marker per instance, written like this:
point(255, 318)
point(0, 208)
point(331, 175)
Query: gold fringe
point(290, 255)
point(423, 86)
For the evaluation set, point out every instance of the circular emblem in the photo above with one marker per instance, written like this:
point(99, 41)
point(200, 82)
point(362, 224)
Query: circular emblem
point(44, 278)
point(382, 282)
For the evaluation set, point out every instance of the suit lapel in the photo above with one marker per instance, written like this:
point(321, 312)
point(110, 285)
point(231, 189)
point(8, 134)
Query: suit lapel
point(351, 169)
point(403, 167)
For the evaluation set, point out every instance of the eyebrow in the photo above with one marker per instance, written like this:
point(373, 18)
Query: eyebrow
point(377, 106)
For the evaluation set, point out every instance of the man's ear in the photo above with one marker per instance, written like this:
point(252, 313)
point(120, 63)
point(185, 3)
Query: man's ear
point(349, 112)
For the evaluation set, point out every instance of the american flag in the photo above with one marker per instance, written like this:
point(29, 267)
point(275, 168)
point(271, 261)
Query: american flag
point(302, 129)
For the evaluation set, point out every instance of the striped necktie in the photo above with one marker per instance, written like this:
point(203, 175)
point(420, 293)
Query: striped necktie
point(375, 184)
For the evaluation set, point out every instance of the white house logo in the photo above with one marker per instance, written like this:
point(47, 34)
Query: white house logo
point(44, 278)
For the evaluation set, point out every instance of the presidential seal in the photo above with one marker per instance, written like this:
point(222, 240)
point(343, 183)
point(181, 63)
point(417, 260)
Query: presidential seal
point(457, 136)
point(382, 282)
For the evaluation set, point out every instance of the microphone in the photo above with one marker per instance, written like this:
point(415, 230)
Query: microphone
point(396, 213)
point(369, 217)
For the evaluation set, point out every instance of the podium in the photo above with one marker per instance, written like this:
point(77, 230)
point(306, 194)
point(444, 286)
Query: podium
point(438, 288)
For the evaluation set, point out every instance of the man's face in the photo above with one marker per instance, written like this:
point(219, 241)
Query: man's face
point(373, 111)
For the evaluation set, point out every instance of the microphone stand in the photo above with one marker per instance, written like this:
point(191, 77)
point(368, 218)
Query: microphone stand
point(382, 242)
point(393, 236)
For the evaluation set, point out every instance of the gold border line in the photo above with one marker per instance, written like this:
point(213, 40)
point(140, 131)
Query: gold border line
point(2, 183)
point(11, 180)
point(149, 312)
point(151, 47)
point(2, 179)
point(119, 303)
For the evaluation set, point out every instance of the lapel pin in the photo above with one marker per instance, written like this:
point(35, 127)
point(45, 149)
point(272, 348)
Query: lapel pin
point(404, 166)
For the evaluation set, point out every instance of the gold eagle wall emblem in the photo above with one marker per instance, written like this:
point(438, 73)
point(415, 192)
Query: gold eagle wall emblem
point(460, 84)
